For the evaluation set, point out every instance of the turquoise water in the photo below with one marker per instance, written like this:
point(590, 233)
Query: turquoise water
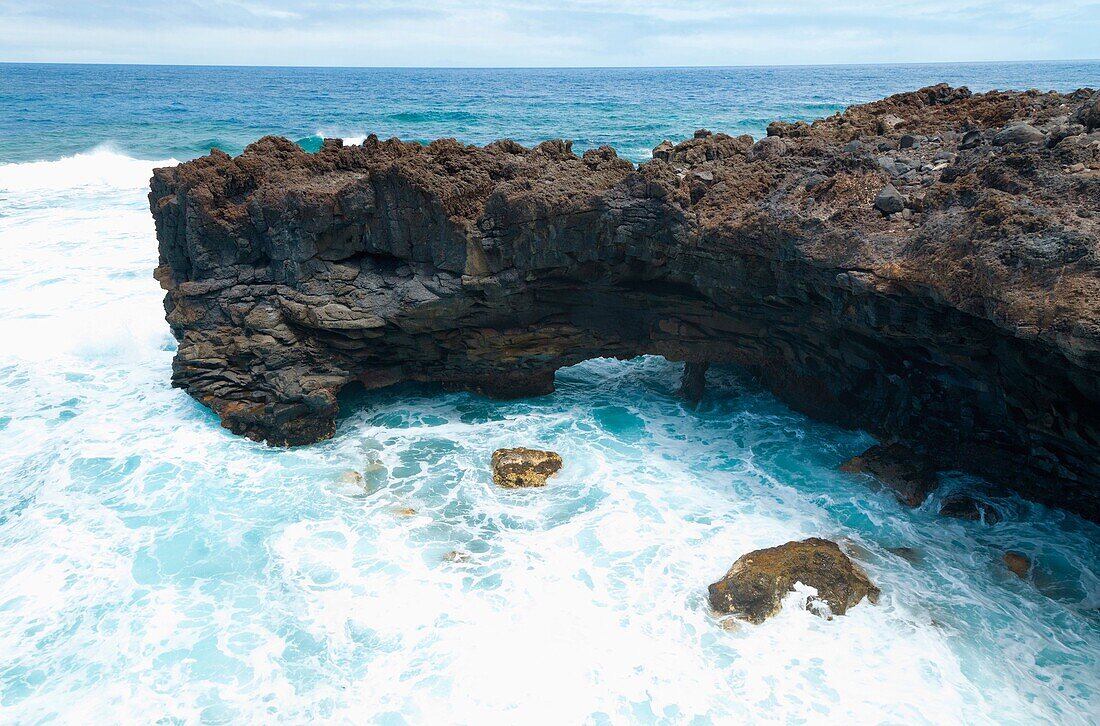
point(158, 569)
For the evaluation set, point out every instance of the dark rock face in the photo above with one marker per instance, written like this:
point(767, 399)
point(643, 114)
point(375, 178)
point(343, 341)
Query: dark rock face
point(909, 476)
point(967, 326)
point(521, 468)
point(755, 586)
point(693, 384)
point(1089, 113)
point(964, 506)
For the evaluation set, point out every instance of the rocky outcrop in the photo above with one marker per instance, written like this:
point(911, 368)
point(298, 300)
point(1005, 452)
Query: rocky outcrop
point(755, 586)
point(964, 506)
point(965, 325)
point(896, 467)
point(521, 468)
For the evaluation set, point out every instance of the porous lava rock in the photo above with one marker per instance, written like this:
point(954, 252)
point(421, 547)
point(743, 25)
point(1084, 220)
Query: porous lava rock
point(755, 586)
point(521, 468)
point(967, 326)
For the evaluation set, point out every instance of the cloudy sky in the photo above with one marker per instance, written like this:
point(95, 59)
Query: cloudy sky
point(546, 32)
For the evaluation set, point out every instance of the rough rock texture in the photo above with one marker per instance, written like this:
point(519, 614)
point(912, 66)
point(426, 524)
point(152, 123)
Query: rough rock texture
point(755, 586)
point(967, 325)
point(896, 467)
point(516, 468)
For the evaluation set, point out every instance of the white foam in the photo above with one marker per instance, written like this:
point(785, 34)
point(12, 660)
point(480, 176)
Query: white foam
point(156, 566)
point(352, 140)
point(102, 167)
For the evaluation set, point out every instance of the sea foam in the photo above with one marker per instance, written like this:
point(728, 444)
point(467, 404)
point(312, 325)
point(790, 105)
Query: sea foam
point(155, 566)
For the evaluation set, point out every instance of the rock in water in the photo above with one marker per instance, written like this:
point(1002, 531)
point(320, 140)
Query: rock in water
point(693, 384)
point(909, 554)
point(912, 478)
point(755, 586)
point(972, 331)
point(1018, 563)
point(964, 506)
point(515, 468)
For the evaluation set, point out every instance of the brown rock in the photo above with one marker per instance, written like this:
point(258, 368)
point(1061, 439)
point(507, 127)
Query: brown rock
point(351, 477)
point(755, 586)
point(514, 468)
point(1018, 563)
point(910, 477)
point(457, 557)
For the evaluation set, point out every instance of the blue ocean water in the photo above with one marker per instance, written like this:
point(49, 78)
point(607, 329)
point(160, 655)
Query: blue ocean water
point(158, 569)
point(156, 112)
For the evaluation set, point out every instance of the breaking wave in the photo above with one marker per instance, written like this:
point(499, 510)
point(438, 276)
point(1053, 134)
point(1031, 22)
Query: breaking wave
point(156, 567)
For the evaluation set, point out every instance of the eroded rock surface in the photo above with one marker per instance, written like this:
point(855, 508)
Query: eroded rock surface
point(520, 467)
point(755, 586)
point(910, 477)
point(966, 325)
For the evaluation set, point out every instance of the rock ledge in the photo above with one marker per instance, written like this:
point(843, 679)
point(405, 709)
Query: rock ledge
point(960, 317)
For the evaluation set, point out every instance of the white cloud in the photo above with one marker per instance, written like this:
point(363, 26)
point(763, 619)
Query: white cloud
point(545, 32)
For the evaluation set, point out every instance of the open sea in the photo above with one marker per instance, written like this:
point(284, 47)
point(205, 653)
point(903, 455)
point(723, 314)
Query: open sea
point(157, 569)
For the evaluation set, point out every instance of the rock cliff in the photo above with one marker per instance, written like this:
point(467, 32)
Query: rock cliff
point(924, 267)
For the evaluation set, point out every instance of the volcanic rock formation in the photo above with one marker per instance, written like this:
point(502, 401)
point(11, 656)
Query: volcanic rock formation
point(755, 586)
point(521, 468)
point(965, 324)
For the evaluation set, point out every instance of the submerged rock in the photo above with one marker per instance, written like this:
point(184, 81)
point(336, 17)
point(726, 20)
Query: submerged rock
point(755, 586)
point(351, 477)
point(1018, 563)
point(457, 557)
point(910, 477)
point(910, 554)
point(520, 467)
point(971, 330)
point(964, 506)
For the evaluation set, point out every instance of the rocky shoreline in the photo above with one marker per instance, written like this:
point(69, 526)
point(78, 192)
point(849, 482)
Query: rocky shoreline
point(924, 267)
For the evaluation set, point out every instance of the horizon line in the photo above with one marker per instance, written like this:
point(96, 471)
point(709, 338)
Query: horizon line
point(548, 68)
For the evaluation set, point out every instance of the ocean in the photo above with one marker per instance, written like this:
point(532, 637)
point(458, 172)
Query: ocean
point(157, 568)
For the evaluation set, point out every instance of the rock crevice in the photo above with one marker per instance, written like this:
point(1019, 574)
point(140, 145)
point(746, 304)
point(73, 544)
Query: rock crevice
point(965, 323)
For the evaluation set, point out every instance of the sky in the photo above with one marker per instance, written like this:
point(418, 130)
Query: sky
point(546, 32)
